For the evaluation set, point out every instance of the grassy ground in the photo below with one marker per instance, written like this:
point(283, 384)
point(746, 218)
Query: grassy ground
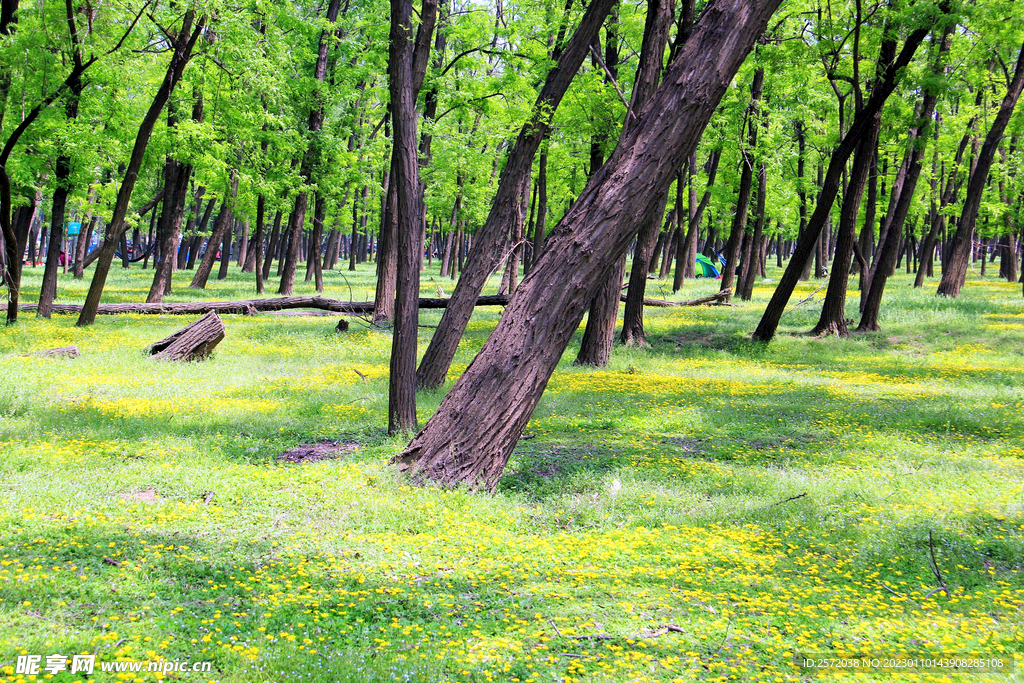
point(706, 509)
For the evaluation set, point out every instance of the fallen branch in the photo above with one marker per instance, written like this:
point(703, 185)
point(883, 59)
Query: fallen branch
point(710, 300)
point(254, 306)
point(786, 500)
point(935, 570)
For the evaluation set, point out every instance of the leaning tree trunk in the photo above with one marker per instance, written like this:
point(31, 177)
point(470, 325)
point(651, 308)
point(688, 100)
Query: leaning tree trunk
point(954, 272)
point(879, 274)
point(652, 51)
point(478, 423)
point(182, 53)
point(506, 208)
point(48, 290)
point(832, 320)
point(220, 226)
point(808, 241)
point(176, 178)
point(310, 158)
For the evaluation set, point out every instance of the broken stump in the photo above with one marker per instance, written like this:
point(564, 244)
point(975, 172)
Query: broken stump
point(59, 352)
point(193, 342)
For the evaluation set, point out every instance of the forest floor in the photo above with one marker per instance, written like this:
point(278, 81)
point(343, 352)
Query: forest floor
point(705, 509)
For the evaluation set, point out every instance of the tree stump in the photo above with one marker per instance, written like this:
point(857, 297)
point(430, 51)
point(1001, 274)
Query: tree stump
point(194, 342)
point(60, 352)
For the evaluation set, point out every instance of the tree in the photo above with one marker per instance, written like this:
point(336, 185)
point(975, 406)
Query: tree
point(184, 43)
point(472, 435)
point(507, 204)
point(860, 126)
point(406, 66)
point(955, 272)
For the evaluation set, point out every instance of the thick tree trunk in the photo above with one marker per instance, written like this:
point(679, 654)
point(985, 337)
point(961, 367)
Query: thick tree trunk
point(506, 208)
point(954, 272)
point(476, 427)
point(193, 342)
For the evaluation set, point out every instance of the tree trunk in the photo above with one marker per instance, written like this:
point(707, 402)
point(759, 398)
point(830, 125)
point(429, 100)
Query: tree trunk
point(224, 219)
point(311, 156)
point(739, 222)
point(862, 121)
point(833, 311)
point(472, 435)
point(879, 274)
point(183, 46)
point(507, 207)
point(193, 342)
point(955, 271)
point(752, 261)
point(402, 58)
point(272, 246)
point(652, 51)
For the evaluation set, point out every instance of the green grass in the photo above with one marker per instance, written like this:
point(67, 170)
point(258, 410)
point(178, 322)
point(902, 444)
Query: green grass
point(774, 500)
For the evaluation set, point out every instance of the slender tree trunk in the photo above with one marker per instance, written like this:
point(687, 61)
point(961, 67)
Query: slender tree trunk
point(402, 58)
point(861, 125)
point(955, 271)
point(879, 274)
point(739, 222)
point(183, 46)
point(220, 226)
point(507, 207)
point(652, 51)
point(752, 263)
point(833, 311)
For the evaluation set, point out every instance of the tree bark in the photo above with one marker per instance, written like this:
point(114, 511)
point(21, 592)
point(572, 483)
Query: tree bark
point(860, 126)
point(506, 207)
point(182, 54)
point(652, 51)
point(954, 272)
point(472, 435)
point(408, 194)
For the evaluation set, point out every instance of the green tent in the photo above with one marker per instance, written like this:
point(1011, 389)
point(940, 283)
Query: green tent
point(704, 267)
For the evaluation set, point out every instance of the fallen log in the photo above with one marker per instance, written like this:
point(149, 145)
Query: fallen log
point(59, 352)
point(192, 342)
point(710, 300)
point(253, 306)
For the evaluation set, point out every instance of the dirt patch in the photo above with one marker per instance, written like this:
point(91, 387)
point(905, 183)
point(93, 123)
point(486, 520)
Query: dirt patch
point(147, 496)
point(315, 452)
